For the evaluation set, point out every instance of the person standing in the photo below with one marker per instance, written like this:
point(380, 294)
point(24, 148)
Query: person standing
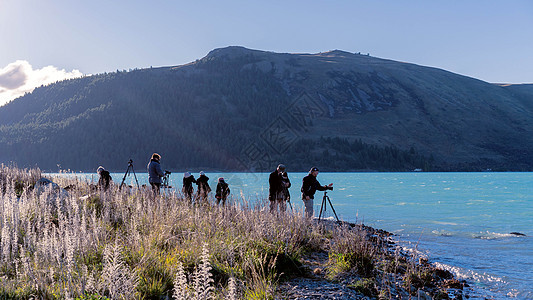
point(286, 184)
point(222, 191)
point(188, 180)
point(277, 187)
point(155, 173)
point(203, 187)
point(309, 187)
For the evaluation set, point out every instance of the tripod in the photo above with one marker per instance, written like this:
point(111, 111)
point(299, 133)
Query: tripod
point(324, 204)
point(165, 182)
point(130, 166)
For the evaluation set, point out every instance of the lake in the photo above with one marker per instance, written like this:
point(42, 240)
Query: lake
point(461, 221)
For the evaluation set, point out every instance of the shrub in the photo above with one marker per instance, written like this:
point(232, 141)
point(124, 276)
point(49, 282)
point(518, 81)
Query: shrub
point(366, 287)
point(350, 250)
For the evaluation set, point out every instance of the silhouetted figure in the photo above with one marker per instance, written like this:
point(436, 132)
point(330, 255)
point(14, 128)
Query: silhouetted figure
point(203, 187)
point(105, 178)
point(309, 187)
point(155, 173)
point(278, 188)
point(188, 180)
point(222, 191)
point(286, 184)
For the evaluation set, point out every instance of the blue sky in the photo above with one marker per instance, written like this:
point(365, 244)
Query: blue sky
point(488, 40)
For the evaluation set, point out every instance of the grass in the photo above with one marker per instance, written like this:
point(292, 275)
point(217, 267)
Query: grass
point(128, 244)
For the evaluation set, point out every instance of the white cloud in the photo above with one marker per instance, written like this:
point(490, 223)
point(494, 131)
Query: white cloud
point(19, 77)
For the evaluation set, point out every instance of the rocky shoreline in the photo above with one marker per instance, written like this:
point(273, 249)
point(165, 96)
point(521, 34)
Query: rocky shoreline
point(270, 256)
point(413, 278)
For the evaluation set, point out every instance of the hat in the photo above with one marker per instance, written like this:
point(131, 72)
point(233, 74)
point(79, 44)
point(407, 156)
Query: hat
point(202, 173)
point(281, 167)
point(313, 169)
point(186, 174)
point(221, 179)
point(100, 169)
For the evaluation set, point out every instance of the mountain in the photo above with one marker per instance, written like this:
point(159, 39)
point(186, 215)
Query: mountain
point(243, 109)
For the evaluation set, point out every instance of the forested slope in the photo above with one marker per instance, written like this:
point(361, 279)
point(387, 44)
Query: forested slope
point(241, 109)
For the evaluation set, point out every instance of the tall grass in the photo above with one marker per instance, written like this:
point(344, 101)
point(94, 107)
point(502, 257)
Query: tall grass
point(128, 244)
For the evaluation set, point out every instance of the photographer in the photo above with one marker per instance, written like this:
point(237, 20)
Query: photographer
point(105, 178)
point(309, 187)
point(155, 173)
point(278, 189)
point(222, 191)
point(188, 180)
point(203, 187)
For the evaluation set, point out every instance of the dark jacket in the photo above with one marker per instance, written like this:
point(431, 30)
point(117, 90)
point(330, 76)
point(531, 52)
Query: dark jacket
point(310, 185)
point(285, 188)
point(105, 180)
point(222, 190)
point(277, 186)
point(154, 171)
point(202, 184)
point(187, 184)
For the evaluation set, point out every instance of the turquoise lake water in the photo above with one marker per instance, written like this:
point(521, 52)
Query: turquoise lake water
point(461, 221)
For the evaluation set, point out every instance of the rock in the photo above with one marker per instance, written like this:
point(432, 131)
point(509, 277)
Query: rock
point(43, 184)
point(423, 296)
point(317, 271)
point(444, 274)
point(453, 284)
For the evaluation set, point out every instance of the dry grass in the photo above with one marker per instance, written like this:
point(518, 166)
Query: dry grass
point(131, 245)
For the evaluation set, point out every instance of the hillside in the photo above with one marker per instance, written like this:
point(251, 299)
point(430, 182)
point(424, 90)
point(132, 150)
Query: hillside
point(242, 109)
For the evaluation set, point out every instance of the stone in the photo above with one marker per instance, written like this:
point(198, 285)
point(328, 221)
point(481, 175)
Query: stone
point(423, 296)
point(44, 183)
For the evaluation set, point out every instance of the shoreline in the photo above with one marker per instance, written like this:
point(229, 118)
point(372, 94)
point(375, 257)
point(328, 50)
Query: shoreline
point(241, 242)
point(427, 280)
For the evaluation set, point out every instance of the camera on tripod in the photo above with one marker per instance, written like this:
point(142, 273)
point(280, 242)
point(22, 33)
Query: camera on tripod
point(128, 171)
point(165, 183)
point(325, 202)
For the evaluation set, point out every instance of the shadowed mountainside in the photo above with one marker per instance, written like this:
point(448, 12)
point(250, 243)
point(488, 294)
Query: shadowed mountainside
point(242, 109)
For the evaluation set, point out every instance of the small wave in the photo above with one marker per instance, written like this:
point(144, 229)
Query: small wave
point(479, 202)
point(442, 233)
point(412, 250)
point(470, 275)
point(446, 223)
point(487, 286)
point(487, 235)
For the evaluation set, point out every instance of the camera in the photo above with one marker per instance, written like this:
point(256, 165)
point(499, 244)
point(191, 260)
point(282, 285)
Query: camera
point(167, 172)
point(329, 188)
point(130, 161)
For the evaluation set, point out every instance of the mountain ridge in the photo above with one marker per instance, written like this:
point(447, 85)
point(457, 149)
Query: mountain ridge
point(217, 107)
